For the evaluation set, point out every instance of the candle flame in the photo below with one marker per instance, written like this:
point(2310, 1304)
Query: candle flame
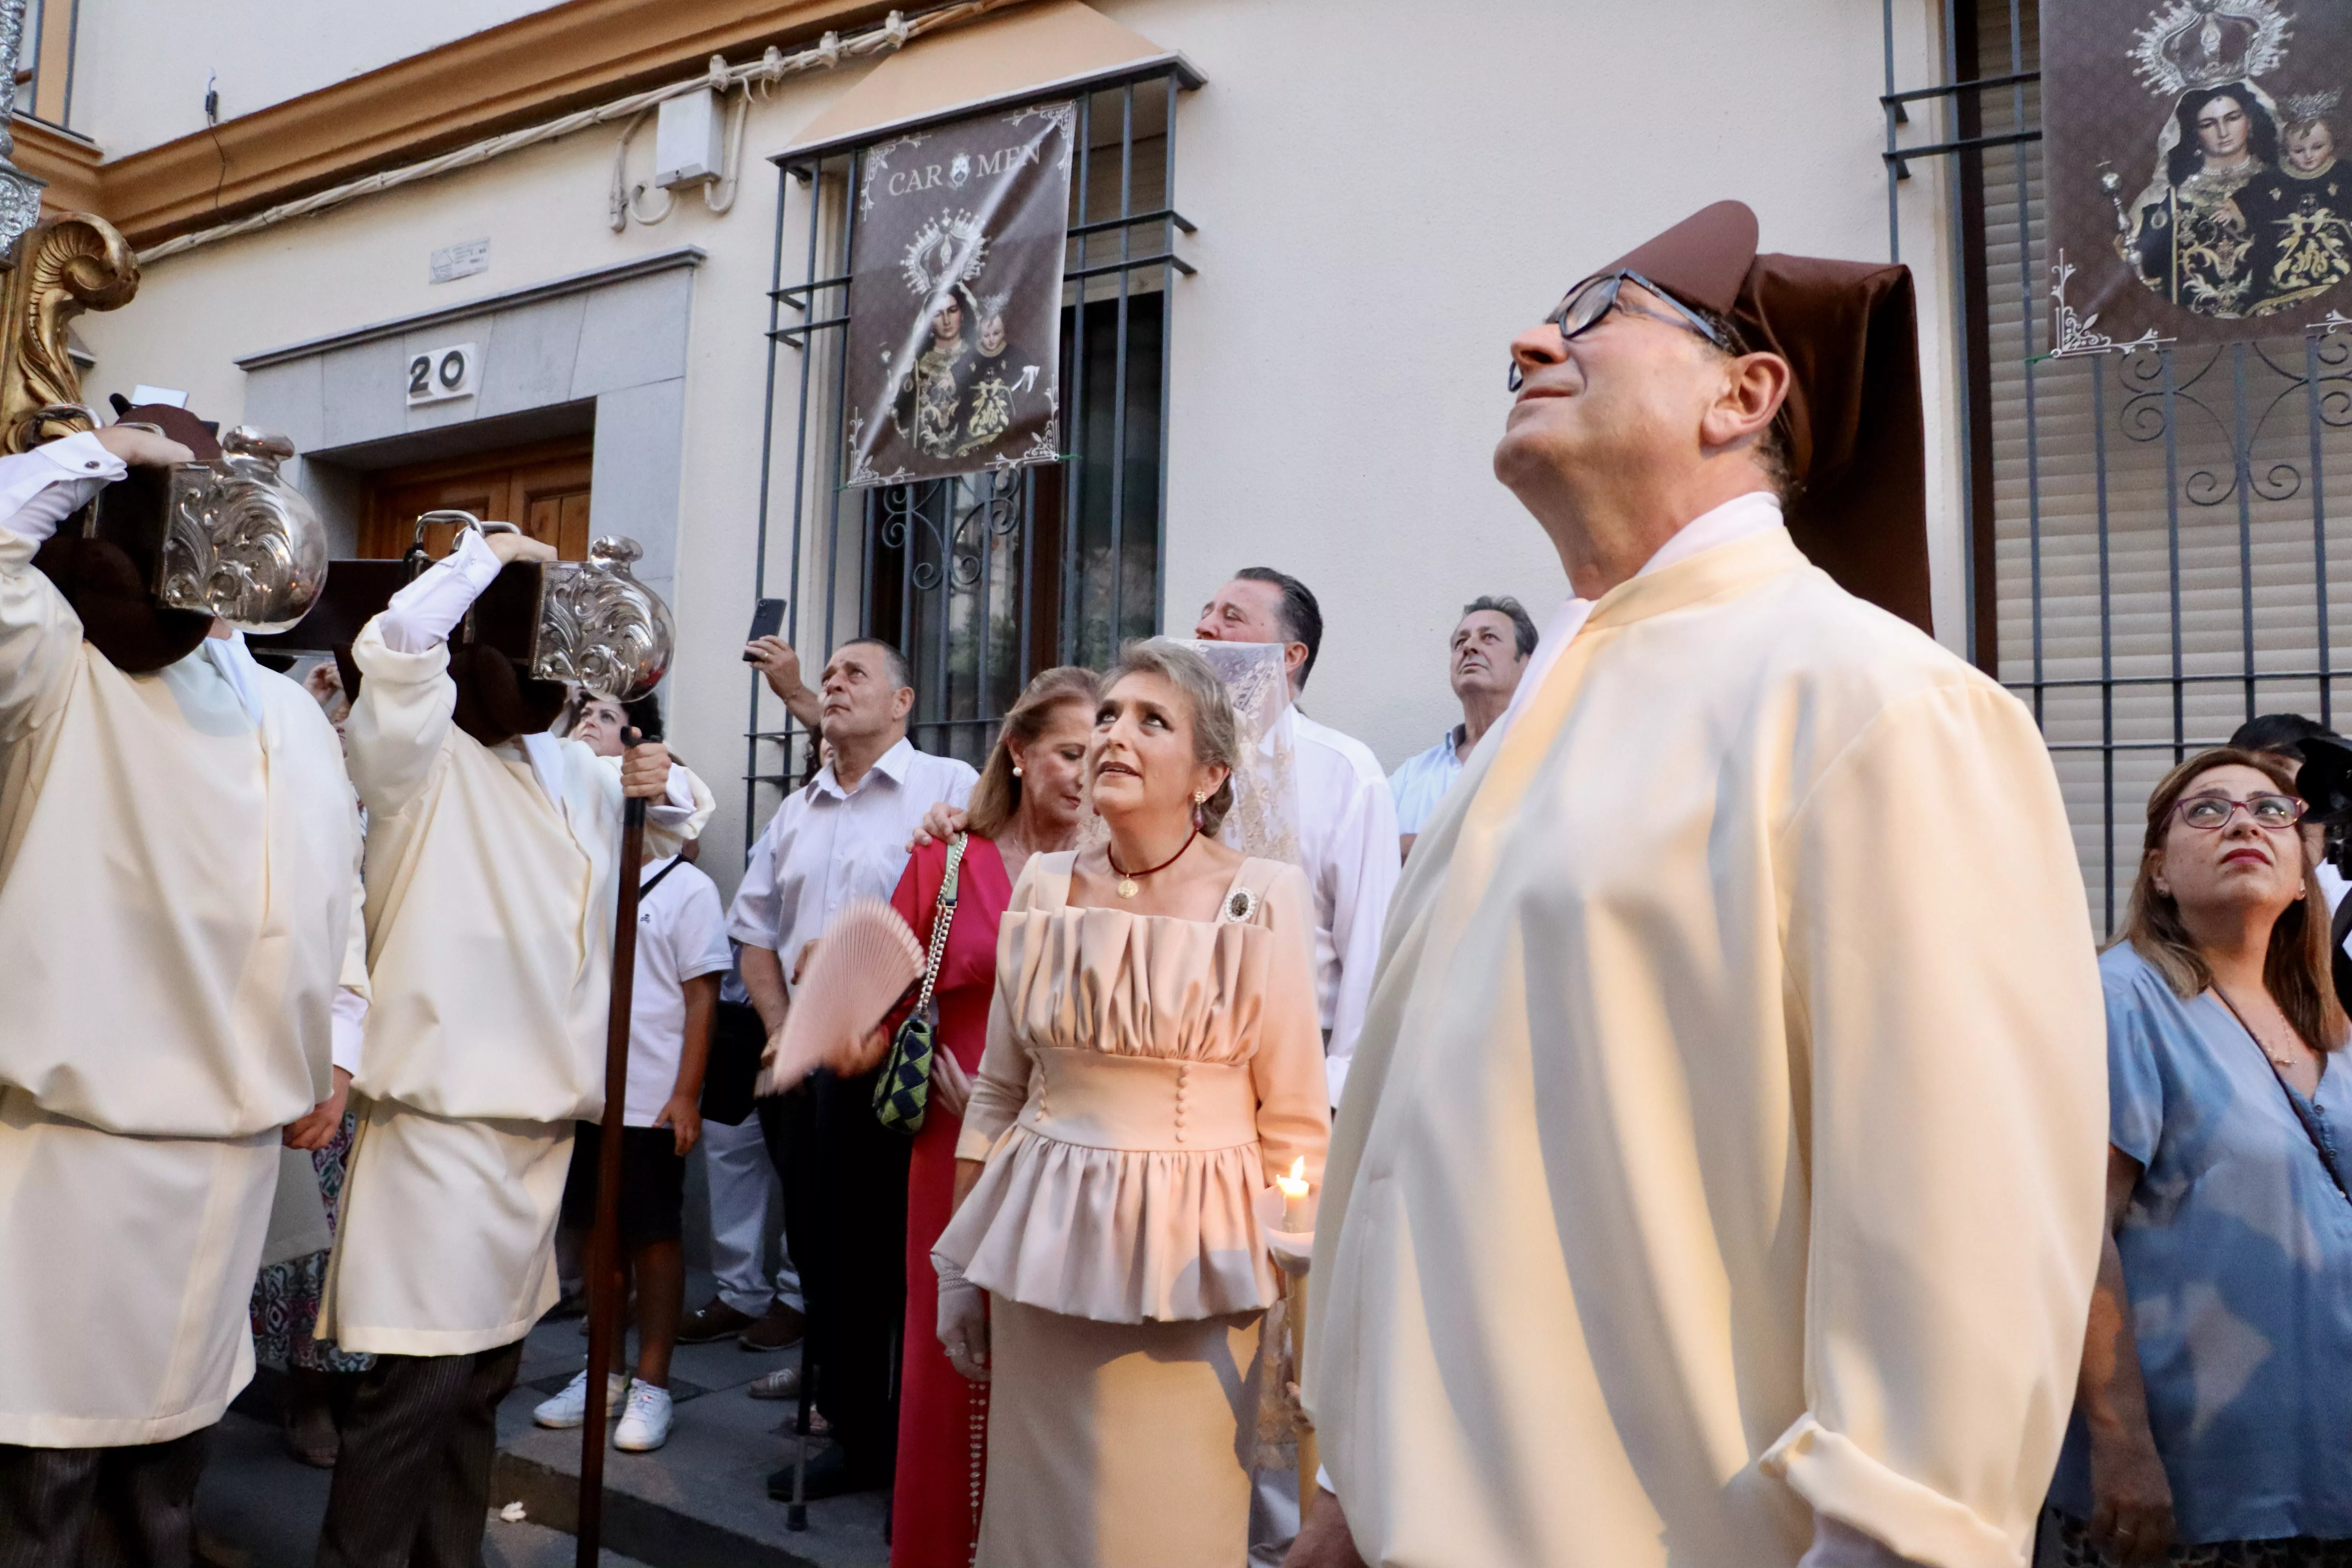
point(1299, 1169)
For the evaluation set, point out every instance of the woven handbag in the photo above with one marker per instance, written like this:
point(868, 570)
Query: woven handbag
point(902, 1095)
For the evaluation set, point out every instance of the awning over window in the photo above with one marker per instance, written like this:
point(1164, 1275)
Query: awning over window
point(1019, 54)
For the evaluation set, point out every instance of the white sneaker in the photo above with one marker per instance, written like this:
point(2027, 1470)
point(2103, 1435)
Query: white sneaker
point(645, 1426)
point(569, 1408)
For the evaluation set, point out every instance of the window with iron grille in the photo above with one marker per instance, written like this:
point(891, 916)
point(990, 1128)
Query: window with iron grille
point(2151, 557)
point(985, 579)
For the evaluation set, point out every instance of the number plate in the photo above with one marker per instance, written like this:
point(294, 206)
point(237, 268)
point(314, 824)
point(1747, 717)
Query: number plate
point(440, 374)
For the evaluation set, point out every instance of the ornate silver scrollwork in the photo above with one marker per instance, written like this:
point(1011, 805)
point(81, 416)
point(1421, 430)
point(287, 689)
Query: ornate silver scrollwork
point(239, 542)
point(600, 627)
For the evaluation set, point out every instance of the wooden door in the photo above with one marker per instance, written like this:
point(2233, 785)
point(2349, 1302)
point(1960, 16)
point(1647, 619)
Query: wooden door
point(542, 489)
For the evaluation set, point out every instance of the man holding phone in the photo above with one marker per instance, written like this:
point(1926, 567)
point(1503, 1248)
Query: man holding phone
point(780, 663)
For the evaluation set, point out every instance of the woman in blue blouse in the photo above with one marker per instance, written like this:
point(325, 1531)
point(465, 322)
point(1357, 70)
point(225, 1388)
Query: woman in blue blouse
point(2214, 1416)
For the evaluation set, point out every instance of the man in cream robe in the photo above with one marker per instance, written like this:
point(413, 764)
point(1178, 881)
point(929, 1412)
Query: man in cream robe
point(178, 890)
point(1720, 1180)
point(491, 877)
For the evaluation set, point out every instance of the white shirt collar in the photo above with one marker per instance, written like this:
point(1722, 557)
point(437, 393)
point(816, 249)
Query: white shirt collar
point(234, 661)
point(1741, 517)
point(891, 764)
point(545, 754)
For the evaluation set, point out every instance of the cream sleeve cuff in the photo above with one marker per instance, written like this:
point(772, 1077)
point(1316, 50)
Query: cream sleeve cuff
point(1915, 1522)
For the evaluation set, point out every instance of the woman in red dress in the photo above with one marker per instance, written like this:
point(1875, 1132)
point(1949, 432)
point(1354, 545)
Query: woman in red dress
point(1027, 802)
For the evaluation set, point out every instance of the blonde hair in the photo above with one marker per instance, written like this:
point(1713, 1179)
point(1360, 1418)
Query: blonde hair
point(996, 798)
point(1216, 733)
point(2297, 971)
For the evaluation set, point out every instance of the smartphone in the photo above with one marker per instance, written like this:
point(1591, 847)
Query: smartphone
point(767, 620)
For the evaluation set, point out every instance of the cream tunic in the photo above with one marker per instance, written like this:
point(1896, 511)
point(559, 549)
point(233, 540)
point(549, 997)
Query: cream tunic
point(490, 906)
point(1727, 1140)
point(176, 901)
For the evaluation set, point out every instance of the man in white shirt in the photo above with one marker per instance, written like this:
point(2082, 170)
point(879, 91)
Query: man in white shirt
point(1347, 821)
point(842, 836)
point(493, 854)
point(1490, 647)
point(178, 854)
point(1721, 1179)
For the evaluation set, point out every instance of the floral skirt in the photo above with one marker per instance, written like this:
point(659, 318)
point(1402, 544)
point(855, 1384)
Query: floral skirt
point(2066, 1544)
point(286, 1295)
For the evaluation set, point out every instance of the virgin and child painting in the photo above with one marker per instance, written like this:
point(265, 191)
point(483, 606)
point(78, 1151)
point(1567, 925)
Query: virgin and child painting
point(955, 298)
point(2195, 187)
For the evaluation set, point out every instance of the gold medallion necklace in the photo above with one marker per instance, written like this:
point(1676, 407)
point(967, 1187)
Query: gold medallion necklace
point(1127, 885)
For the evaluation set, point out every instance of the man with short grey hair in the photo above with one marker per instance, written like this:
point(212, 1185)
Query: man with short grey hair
point(1490, 649)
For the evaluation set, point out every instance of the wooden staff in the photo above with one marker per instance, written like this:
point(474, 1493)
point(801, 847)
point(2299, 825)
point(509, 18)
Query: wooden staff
point(1309, 1455)
point(604, 1241)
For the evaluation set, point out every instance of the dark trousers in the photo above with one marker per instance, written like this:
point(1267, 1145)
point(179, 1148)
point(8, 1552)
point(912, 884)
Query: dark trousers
point(845, 1184)
point(413, 1484)
point(101, 1508)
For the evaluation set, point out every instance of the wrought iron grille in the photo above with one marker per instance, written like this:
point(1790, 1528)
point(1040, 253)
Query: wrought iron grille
point(2151, 558)
point(985, 579)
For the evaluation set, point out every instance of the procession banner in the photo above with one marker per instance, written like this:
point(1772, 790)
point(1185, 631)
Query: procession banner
point(955, 296)
point(2191, 168)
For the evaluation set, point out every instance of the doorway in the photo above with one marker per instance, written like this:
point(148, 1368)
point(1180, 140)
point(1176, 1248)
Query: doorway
point(542, 488)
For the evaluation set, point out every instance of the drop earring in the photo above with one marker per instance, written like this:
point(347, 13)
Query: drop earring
point(1200, 799)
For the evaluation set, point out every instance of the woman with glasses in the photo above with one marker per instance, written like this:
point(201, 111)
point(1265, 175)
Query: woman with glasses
point(2214, 1412)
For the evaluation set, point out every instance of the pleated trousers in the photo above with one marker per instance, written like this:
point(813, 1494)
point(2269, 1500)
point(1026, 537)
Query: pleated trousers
point(130, 1507)
point(413, 1484)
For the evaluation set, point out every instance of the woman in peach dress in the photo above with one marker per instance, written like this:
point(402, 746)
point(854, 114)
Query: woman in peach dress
point(1153, 1058)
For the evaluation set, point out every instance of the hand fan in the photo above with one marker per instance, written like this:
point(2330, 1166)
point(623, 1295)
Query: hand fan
point(855, 973)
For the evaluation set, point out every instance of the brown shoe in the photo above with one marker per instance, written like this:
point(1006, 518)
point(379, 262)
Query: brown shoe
point(780, 1330)
point(309, 1420)
point(714, 1319)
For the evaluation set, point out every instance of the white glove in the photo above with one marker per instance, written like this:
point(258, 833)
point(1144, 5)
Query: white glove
point(963, 1323)
point(950, 1085)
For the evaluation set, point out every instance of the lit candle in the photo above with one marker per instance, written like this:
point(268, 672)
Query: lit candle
point(1295, 1216)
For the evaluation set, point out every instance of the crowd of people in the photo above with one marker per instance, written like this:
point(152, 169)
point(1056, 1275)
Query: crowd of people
point(1719, 1134)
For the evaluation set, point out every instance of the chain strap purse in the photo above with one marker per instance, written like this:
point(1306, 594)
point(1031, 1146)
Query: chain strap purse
point(902, 1095)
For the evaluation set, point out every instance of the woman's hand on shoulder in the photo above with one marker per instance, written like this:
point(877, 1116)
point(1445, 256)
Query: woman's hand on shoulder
point(941, 822)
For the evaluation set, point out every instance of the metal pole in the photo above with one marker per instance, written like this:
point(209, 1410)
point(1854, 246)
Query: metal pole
point(604, 1240)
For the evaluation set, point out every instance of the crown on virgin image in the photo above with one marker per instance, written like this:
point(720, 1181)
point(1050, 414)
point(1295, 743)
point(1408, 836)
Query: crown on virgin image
point(2206, 43)
point(2302, 108)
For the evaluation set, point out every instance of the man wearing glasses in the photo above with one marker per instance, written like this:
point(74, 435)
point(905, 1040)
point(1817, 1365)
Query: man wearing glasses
point(1720, 1179)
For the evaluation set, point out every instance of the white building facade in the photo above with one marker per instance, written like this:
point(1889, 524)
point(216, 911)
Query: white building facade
point(1374, 198)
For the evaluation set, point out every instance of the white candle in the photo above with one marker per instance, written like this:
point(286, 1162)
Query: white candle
point(1295, 1217)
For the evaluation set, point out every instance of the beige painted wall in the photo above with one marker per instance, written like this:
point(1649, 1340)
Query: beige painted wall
point(141, 65)
point(1383, 197)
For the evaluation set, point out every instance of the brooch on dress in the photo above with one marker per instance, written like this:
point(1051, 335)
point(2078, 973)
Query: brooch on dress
point(1242, 905)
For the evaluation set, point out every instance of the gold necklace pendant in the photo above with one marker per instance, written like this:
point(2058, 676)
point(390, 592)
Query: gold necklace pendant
point(1127, 888)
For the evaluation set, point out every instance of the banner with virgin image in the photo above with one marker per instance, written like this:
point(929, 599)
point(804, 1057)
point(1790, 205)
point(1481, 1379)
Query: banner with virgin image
point(2191, 170)
point(955, 296)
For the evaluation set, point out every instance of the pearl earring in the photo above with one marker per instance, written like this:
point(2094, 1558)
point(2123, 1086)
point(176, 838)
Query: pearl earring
point(1016, 770)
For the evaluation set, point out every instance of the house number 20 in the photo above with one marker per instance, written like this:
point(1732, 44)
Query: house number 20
point(438, 375)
